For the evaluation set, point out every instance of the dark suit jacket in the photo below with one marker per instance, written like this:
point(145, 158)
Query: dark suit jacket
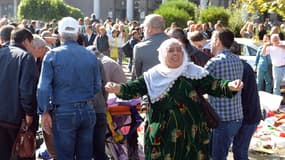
point(90, 41)
point(145, 53)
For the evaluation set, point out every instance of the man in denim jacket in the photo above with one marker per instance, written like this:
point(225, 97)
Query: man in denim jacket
point(69, 80)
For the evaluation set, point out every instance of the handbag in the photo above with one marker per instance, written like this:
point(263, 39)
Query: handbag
point(25, 143)
point(210, 115)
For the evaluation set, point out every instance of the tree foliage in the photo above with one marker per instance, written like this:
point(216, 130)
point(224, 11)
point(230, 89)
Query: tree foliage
point(213, 14)
point(236, 21)
point(179, 11)
point(264, 6)
point(46, 10)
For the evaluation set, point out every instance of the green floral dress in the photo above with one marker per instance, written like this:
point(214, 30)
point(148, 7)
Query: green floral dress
point(176, 128)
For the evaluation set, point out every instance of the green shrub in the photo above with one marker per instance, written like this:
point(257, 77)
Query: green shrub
point(236, 21)
point(189, 7)
point(171, 14)
point(46, 10)
point(179, 11)
point(213, 14)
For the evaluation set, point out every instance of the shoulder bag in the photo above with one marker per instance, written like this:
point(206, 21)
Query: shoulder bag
point(210, 115)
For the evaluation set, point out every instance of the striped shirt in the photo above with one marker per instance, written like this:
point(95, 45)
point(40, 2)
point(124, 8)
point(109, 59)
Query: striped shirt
point(226, 65)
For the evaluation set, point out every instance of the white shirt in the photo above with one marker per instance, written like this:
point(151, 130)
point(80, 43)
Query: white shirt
point(277, 55)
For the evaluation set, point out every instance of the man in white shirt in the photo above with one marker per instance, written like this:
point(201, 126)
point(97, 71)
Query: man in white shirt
point(276, 50)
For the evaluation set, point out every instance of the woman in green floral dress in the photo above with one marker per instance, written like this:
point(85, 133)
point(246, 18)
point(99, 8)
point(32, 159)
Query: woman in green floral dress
point(176, 128)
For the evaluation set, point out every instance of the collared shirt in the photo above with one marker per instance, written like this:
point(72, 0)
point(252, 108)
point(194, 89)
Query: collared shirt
point(226, 65)
point(69, 74)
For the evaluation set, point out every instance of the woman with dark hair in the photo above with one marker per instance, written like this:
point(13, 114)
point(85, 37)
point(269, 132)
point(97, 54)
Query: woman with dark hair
point(195, 55)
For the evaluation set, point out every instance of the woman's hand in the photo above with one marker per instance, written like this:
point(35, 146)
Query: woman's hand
point(235, 85)
point(112, 87)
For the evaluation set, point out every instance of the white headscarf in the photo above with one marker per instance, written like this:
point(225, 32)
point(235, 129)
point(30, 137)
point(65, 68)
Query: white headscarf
point(160, 78)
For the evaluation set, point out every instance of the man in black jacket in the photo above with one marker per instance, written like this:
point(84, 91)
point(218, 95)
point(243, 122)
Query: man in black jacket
point(18, 87)
point(89, 36)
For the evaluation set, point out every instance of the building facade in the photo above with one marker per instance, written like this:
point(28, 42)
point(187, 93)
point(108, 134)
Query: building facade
point(116, 9)
point(7, 8)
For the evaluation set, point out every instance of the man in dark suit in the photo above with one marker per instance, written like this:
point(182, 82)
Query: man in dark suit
point(145, 53)
point(89, 36)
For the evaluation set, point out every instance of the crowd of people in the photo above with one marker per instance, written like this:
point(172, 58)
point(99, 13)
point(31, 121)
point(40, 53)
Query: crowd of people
point(269, 61)
point(60, 74)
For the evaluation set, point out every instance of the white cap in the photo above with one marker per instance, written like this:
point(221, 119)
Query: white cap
point(68, 25)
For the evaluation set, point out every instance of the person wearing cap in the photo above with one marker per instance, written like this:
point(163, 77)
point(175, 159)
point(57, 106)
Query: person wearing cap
point(18, 88)
point(68, 82)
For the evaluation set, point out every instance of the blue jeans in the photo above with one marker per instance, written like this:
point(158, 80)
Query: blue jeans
point(99, 136)
point(242, 140)
point(278, 75)
point(222, 138)
point(264, 76)
point(73, 131)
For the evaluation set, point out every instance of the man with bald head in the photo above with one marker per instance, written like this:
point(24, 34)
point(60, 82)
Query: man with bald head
point(145, 53)
point(276, 49)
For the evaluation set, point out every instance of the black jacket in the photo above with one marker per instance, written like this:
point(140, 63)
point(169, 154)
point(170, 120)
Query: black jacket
point(18, 78)
point(249, 94)
point(91, 40)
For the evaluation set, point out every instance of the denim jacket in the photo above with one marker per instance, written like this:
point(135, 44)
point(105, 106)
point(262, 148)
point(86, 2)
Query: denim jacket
point(69, 74)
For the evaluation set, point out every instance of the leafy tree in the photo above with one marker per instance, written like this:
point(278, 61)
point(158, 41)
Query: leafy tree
point(171, 14)
point(46, 10)
point(264, 6)
point(185, 5)
point(213, 14)
point(179, 11)
point(236, 21)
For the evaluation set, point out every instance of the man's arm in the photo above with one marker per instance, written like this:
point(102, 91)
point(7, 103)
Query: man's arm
point(97, 84)
point(137, 62)
point(263, 52)
point(44, 92)
point(27, 87)
point(281, 45)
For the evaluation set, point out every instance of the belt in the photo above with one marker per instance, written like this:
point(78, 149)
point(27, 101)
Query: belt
point(280, 66)
point(76, 104)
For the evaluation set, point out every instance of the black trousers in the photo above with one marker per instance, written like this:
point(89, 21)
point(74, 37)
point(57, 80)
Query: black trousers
point(7, 139)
